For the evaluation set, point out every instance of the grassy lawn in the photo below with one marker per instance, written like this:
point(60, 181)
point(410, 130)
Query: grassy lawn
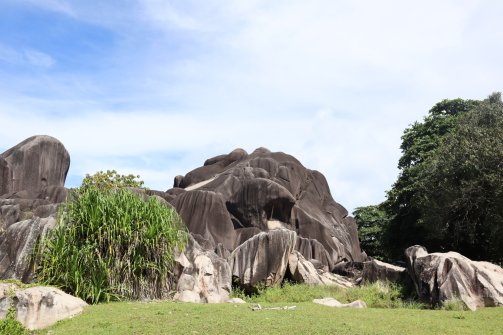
point(308, 318)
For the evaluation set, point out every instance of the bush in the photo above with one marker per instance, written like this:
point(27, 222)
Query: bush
point(110, 244)
point(453, 305)
point(10, 326)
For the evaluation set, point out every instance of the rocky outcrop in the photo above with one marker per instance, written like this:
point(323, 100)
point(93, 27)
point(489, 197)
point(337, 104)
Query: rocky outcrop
point(375, 270)
point(203, 276)
point(439, 277)
point(300, 270)
point(263, 258)
point(331, 302)
point(32, 175)
point(34, 164)
point(234, 197)
point(38, 307)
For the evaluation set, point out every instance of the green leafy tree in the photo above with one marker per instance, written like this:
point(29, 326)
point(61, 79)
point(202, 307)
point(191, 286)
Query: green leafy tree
point(111, 179)
point(371, 221)
point(419, 143)
point(460, 190)
point(111, 244)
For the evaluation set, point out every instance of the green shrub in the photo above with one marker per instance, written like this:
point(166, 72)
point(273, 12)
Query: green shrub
point(10, 326)
point(453, 305)
point(111, 179)
point(110, 244)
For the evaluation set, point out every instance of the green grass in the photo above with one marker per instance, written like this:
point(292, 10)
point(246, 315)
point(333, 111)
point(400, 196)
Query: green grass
point(308, 318)
point(379, 295)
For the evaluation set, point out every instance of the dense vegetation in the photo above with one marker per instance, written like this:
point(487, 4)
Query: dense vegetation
point(111, 242)
point(449, 193)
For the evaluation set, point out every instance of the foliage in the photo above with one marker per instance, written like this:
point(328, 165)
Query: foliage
point(378, 295)
point(169, 317)
point(111, 244)
point(10, 326)
point(419, 143)
point(110, 180)
point(460, 193)
point(371, 221)
point(454, 305)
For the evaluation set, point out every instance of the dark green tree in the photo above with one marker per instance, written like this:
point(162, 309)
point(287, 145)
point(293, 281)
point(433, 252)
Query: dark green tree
point(419, 143)
point(371, 220)
point(459, 193)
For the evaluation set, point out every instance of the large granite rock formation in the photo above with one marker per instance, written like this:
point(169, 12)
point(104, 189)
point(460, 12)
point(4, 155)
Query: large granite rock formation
point(33, 164)
point(443, 276)
point(32, 175)
point(240, 200)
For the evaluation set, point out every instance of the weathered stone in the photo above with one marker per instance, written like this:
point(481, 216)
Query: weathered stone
point(444, 276)
point(376, 270)
point(331, 302)
point(303, 271)
point(5, 176)
point(236, 301)
point(16, 245)
point(203, 276)
point(36, 163)
point(235, 196)
point(38, 307)
point(263, 258)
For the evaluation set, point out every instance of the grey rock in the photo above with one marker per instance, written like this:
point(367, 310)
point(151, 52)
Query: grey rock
point(263, 258)
point(38, 307)
point(376, 270)
point(203, 276)
point(439, 277)
point(331, 302)
point(36, 163)
point(16, 246)
point(303, 271)
point(236, 196)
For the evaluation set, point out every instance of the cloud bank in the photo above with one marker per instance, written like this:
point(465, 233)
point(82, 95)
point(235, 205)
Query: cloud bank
point(155, 87)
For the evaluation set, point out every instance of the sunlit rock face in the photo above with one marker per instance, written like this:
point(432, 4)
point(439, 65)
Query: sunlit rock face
point(232, 198)
point(443, 276)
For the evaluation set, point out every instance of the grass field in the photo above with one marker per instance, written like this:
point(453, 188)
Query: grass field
point(308, 318)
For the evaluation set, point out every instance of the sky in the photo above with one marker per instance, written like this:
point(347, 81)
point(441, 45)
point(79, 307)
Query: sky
point(155, 87)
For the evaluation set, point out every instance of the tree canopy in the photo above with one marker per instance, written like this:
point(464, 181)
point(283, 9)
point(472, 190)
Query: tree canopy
point(448, 195)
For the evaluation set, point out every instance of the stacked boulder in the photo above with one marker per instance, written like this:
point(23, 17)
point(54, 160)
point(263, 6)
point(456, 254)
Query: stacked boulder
point(32, 177)
point(269, 216)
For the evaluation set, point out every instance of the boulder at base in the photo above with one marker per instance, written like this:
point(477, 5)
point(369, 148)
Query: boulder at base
point(443, 276)
point(331, 302)
point(203, 276)
point(38, 307)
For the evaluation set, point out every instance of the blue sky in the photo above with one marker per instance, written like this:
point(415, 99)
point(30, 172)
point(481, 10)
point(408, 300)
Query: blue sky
point(155, 87)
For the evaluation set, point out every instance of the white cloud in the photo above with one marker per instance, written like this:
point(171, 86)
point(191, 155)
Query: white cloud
point(39, 59)
point(333, 83)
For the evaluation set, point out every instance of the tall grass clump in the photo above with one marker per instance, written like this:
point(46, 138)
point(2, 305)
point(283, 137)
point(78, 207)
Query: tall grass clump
point(111, 244)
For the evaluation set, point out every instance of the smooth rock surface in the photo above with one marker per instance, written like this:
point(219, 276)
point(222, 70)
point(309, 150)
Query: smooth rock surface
point(38, 307)
point(443, 276)
point(236, 196)
point(331, 302)
point(33, 164)
point(263, 258)
point(376, 270)
point(303, 271)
